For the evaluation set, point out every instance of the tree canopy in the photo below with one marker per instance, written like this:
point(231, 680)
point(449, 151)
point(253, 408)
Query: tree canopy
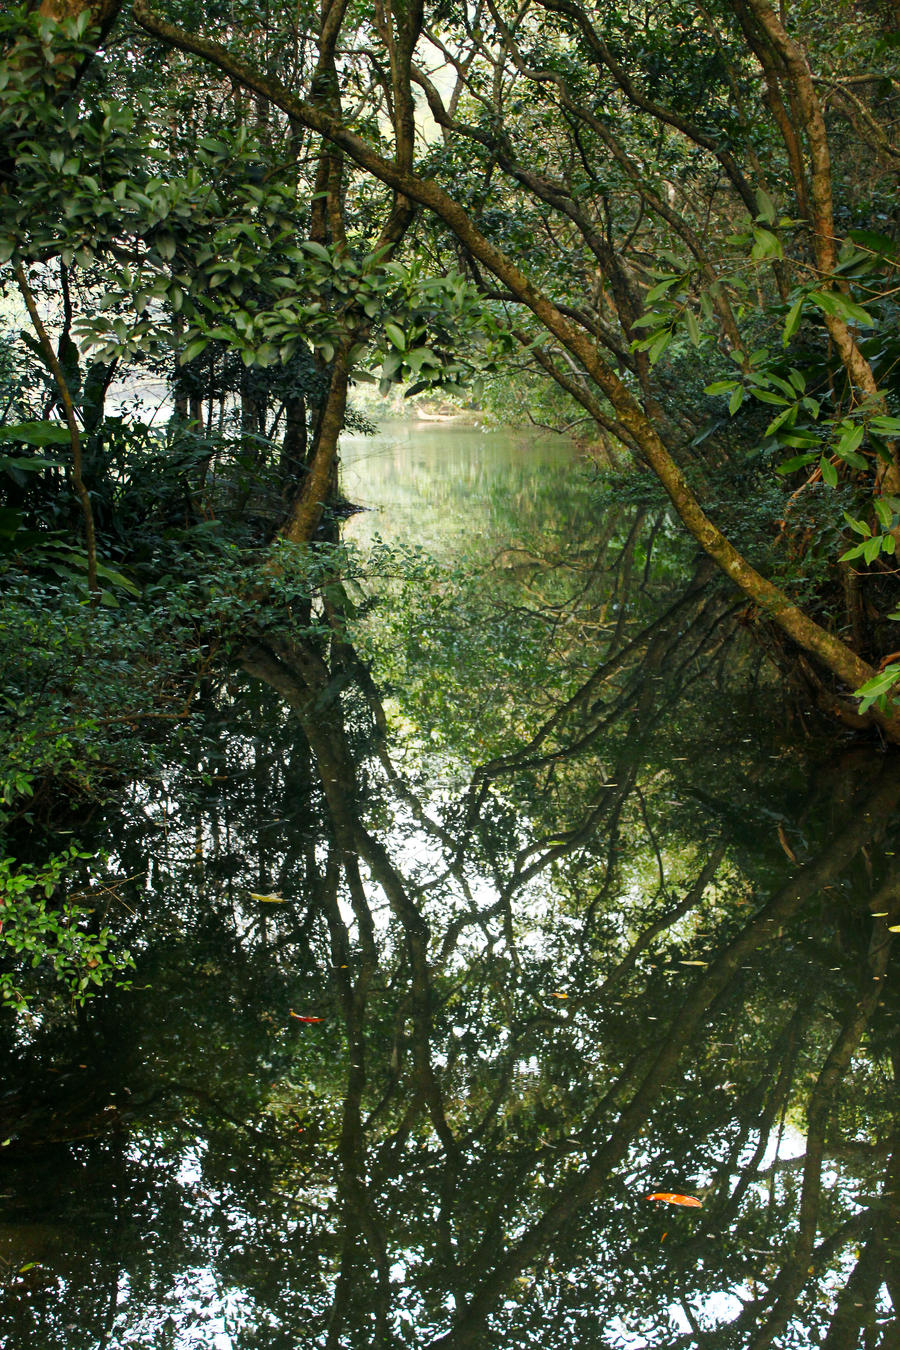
point(599, 203)
point(460, 1036)
point(664, 205)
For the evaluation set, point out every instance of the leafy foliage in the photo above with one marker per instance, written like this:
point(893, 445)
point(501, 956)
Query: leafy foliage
point(38, 928)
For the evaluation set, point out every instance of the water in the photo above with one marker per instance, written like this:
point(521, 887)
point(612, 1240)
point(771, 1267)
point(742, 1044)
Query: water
point(442, 484)
point(570, 910)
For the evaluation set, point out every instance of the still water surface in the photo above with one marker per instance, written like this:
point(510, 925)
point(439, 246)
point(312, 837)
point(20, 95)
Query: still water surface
point(439, 484)
point(463, 933)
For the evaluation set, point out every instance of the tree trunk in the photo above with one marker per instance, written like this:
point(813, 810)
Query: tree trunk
point(318, 486)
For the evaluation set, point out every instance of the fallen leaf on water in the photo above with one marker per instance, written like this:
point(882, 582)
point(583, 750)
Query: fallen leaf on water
point(672, 1198)
point(693, 963)
point(268, 899)
point(301, 1018)
point(894, 928)
point(783, 841)
point(560, 995)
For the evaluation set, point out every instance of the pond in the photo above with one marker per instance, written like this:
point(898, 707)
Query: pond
point(512, 968)
point(444, 484)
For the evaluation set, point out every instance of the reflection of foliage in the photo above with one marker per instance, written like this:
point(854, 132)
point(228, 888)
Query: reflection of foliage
point(580, 971)
point(95, 698)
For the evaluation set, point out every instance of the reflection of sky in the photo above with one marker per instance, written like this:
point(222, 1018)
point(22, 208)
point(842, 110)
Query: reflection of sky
point(200, 1315)
point(200, 1311)
point(197, 1311)
point(440, 485)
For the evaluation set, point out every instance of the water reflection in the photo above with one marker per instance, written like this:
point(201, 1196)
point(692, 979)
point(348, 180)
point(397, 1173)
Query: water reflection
point(404, 1063)
point(443, 483)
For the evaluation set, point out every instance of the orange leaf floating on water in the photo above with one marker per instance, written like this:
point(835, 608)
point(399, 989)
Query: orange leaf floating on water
point(301, 1018)
point(671, 1198)
point(783, 841)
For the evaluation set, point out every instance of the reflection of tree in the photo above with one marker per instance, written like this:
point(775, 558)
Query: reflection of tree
point(544, 996)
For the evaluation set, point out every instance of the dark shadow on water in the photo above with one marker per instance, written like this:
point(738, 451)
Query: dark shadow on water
point(416, 1031)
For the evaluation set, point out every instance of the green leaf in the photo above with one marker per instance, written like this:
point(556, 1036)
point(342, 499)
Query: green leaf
point(799, 440)
point(850, 438)
point(841, 307)
point(765, 206)
point(36, 433)
point(859, 526)
point(766, 245)
point(117, 579)
point(653, 320)
point(391, 364)
point(829, 472)
point(396, 336)
point(663, 288)
point(775, 381)
point(317, 250)
point(884, 512)
point(721, 387)
point(877, 243)
point(693, 327)
point(792, 321)
point(878, 686)
point(659, 345)
point(33, 464)
point(854, 262)
point(193, 350)
point(798, 461)
point(885, 426)
point(736, 400)
point(788, 416)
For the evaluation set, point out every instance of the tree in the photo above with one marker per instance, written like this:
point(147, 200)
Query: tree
point(495, 57)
